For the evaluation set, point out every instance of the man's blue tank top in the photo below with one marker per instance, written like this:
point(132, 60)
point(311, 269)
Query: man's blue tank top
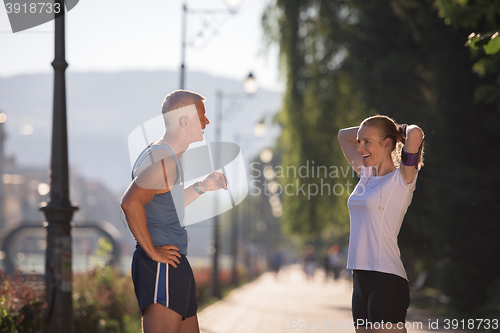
point(165, 212)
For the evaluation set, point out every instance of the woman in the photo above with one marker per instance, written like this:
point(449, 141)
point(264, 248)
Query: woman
point(377, 207)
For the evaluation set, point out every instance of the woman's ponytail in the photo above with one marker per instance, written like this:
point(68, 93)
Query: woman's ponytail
point(401, 133)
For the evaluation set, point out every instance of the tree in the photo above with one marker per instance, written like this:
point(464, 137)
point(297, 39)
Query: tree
point(311, 114)
point(480, 18)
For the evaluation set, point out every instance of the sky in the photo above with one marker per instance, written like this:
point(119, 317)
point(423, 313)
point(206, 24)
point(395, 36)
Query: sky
point(117, 35)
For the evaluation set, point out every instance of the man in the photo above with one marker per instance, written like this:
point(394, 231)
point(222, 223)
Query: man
point(154, 208)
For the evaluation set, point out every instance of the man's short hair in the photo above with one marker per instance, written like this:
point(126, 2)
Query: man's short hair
point(180, 98)
point(178, 104)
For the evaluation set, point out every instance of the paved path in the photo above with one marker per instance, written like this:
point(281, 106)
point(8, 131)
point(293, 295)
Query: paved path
point(290, 304)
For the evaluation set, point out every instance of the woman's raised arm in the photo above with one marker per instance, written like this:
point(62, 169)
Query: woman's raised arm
point(348, 139)
point(414, 139)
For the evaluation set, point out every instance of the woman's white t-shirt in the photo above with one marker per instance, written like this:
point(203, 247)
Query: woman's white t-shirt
point(377, 207)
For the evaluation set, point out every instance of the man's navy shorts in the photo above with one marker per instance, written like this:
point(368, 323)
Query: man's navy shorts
point(379, 297)
point(156, 282)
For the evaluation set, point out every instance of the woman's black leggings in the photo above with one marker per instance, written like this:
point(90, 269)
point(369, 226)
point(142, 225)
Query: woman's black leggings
point(379, 298)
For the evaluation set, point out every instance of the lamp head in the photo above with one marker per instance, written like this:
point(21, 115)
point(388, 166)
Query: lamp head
point(250, 86)
point(259, 129)
point(266, 155)
point(233, 5)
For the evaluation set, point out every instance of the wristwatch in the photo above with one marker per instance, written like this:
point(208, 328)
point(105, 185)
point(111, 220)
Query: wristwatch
point(197, 189)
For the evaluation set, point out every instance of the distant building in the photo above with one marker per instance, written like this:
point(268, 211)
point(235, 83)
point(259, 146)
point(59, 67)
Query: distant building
point(24, 188)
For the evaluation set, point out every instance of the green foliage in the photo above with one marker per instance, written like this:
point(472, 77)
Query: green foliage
point(104, 248)
point(473, 39)
point(490, 45)
point(318, 101)
point(481, 20)
point(103, 300)
point(21, 303)
point(493, 45)
point(478, 15)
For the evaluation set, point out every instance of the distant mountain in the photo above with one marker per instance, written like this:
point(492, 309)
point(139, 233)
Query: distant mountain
point(103, 108)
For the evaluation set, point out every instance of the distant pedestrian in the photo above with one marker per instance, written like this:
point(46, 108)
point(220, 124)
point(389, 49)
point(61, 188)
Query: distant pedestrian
point(310, 263)
point(276, 261)
point(154, 208)
point(327, 267)
point(388, 157)
point(334, 260)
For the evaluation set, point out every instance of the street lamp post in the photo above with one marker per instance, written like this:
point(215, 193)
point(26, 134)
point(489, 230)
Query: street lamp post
point(265, 156)
point(234, 235)
point(215, 272)
point(3, 118)
point(59, 210)
point(183, 43)
point(250, 87)
point(232, 8)
point(238, 223)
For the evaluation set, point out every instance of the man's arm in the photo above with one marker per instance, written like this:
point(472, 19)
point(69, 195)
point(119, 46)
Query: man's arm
point(212, 182)
point(151, 181)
